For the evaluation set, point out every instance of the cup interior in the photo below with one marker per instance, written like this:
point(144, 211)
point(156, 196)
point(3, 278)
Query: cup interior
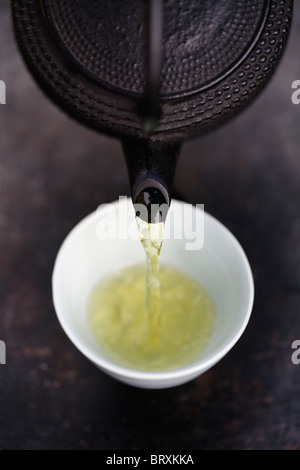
point(99, 246)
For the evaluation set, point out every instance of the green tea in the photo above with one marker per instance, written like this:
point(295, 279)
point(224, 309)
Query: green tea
point(170, 337)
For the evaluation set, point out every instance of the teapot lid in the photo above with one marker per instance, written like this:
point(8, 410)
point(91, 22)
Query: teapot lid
point(203, 41)
point(89, 57)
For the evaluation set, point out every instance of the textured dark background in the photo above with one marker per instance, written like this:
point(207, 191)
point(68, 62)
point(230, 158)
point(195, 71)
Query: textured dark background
point(53, 172)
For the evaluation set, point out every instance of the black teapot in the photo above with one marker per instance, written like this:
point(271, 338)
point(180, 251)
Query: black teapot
point(152, 72)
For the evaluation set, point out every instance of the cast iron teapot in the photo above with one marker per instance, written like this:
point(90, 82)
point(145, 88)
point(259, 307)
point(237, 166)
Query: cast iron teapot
point(152, 72)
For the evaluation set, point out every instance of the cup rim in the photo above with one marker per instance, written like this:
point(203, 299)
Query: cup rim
point(198, 366)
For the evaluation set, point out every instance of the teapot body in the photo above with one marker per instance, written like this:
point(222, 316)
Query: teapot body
point(89, 58)
point(210, 59)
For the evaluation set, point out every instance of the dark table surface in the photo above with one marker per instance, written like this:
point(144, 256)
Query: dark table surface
point(53, 172)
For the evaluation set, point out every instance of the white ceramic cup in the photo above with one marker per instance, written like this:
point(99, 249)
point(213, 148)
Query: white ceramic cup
point(99, 246)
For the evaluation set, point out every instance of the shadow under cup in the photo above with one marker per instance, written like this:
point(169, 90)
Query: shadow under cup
point(107, 241)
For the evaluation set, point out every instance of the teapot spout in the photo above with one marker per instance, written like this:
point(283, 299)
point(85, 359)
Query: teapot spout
point(151, 168)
